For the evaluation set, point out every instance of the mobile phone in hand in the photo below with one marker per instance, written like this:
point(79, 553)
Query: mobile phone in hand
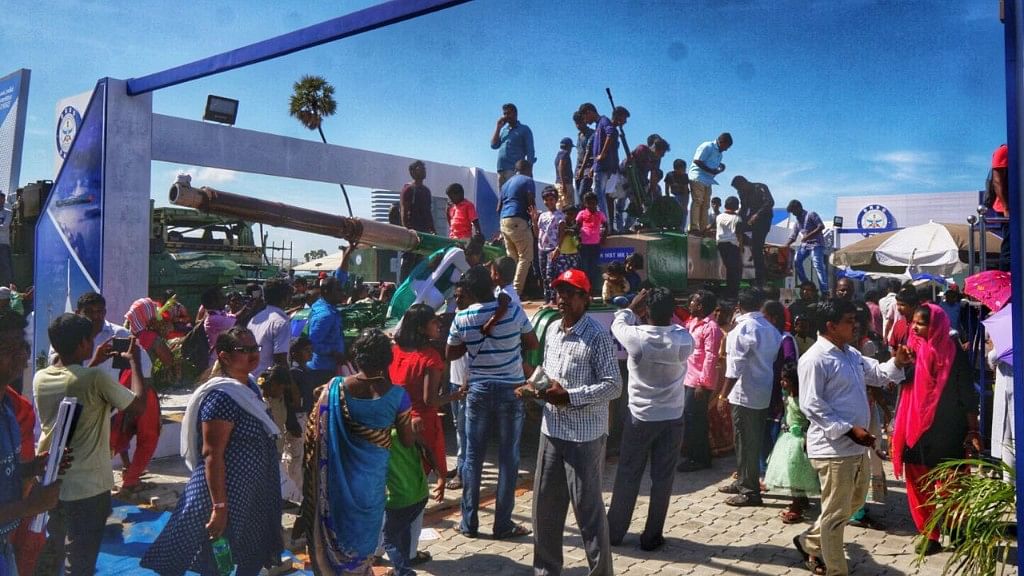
point(119, 346)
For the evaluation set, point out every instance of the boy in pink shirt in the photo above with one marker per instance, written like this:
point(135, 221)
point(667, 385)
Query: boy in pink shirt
point(462, 218)
point(593, 229)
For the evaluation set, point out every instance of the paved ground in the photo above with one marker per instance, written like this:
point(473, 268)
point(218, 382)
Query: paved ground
point(704, 536)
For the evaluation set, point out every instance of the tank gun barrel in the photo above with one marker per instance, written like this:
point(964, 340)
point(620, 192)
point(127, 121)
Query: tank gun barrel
point(368, 232)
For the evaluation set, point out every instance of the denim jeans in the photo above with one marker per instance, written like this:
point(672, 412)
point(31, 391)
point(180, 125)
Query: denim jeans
point(817, 254)
point(459, 417)
point(684, 205)
point(623, 220)
point(600, 185)
point(398, 540)
point(492, 410)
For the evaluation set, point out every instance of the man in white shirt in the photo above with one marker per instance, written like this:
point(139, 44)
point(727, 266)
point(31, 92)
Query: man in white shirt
point(833, 396)
point(654, 426)
point(272, 330)
point(751, 348)
point(887, 305)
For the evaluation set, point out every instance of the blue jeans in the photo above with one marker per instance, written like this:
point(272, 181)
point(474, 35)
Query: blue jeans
point(459, 416)
point(398, 541)
point(492, 409)
point(684, 205)
point(623, 220)
point(817, 254)
point(600, 185)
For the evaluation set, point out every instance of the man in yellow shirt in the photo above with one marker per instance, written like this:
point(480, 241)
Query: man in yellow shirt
point(76, 526)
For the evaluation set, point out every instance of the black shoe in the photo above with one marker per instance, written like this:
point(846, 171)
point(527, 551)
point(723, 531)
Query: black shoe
point(929, 548)
point(729, 489)
point(651, 544)
point(691, 466)
point(744, 500)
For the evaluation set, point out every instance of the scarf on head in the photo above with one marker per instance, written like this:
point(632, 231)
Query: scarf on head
point(934, 357)
point(140, 314)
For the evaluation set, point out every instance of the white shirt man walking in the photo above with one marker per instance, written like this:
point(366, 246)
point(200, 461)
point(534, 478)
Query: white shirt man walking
point(833, 395)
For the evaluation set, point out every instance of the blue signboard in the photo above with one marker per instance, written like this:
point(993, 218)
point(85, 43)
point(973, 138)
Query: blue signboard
point(68, 256)
point(13, 111)
point(609, 255)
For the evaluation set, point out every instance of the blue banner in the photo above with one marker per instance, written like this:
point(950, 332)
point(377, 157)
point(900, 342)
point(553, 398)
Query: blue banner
point(69, 255)
point(13, 109)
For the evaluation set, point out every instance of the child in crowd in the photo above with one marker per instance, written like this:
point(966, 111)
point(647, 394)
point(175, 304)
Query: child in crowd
point(615, 286)
point(407, 498)
point(418, 367)
point(677, 184)
point(593, 229)
point(634, 263)
point(716, 211)
point(550, 228)
point(273, 382)
point(462, 219)
point(803, 331)
point(503, 271)
point(300, 352)
point(566, 255)
point(789, 469)
point(730, 245)
point(564, 174)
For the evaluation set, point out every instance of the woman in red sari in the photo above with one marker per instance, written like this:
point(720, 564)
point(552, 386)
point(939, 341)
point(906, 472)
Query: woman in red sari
point(937, 418)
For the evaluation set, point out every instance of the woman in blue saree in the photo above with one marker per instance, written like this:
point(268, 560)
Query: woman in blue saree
point(347, 447)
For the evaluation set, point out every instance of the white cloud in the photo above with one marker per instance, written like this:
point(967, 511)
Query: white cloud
point(214, 175)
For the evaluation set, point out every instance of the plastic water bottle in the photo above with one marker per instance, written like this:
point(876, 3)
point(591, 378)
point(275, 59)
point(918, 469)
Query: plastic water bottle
point(222, 556)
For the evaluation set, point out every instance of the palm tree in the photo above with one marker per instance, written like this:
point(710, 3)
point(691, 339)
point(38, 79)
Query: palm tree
point(311, 102)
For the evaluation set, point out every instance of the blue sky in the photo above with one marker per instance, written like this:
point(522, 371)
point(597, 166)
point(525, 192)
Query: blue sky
point(823, 97)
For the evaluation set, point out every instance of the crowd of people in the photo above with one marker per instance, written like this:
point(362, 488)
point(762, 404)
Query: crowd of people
point(287, 414)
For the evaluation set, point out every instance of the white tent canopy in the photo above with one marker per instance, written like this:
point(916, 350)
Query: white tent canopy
point(327, 263)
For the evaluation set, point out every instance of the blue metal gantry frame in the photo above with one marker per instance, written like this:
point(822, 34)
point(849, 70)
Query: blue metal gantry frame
point(371, 18)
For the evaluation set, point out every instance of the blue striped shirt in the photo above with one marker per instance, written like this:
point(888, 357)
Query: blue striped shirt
point(497, 357)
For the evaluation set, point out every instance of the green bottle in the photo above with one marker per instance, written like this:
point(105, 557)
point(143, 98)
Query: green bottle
point(222, 556)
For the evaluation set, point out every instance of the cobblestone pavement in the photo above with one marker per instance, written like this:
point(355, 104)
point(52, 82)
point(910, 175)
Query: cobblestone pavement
point(704, 536)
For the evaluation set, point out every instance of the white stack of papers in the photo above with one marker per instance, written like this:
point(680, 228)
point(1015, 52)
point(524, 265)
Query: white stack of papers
point(62, 430)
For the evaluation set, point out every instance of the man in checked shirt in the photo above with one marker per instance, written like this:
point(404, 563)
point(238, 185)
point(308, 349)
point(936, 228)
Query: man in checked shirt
point(579, 358)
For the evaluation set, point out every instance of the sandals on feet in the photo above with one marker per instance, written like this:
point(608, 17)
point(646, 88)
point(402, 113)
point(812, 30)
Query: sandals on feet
point(790, 516)
point(517, 531)
point(454, 484)
point(422, 557)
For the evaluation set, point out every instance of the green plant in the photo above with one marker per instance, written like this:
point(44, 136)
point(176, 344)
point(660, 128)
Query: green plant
point(974, 510)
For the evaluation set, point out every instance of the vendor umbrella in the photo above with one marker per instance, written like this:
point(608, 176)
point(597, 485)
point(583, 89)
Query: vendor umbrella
point(991, 288)
point(927, 248)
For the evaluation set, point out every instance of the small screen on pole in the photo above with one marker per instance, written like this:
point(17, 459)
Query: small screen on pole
point(219, 109)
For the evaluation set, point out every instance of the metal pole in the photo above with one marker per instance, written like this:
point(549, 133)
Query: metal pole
point(983, 243)
point(972, 221)
point(1013, 30)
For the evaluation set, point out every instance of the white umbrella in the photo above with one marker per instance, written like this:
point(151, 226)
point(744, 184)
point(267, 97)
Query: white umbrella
point(928, 247)
point(329, 262)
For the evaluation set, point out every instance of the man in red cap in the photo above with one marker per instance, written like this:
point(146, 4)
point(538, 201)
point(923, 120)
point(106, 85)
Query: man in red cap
point(579, 359)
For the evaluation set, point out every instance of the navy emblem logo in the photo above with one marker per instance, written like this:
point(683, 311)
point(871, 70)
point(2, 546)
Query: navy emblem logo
point(67, 128)
point(875, 217)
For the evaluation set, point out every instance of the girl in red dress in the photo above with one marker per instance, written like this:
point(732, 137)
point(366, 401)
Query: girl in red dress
point(417, 366)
